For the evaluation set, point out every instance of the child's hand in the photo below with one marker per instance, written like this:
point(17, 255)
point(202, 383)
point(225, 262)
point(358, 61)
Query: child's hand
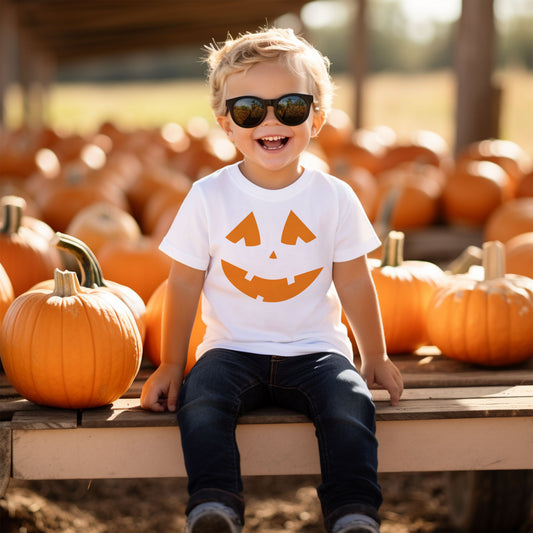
point(161, 389)
point(384, 373)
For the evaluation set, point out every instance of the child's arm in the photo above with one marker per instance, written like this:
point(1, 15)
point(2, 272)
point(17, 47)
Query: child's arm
point(359, 300)
point(179, 310)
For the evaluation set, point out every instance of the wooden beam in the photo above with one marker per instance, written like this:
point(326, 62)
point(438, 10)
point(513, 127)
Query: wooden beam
point(476, 117)
point(405, 446)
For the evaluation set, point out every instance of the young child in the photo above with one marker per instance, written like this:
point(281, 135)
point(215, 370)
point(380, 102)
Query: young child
point(273, 249)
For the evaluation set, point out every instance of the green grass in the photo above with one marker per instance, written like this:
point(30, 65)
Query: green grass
point(403, 102)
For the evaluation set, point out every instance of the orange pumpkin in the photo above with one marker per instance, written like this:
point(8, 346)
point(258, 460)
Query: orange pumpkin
point(423, 146)
point(487, 322)
point(336, 132)
point(525, 186)
point(154, 314)
point(70, 347)
point(73, 190)
point(26, 255)
point(151, 179)
point(473, 191)
point(363, 149)
point(416, 189)
point(509, 155)
point(519, 255)
point(139, 265)
point(167, 196)
point(404, 289)
point(365, 187)
point(509, 219)
point(101, 222)
point(6, 293)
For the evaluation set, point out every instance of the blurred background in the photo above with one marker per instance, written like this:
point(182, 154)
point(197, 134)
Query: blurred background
point(408, 55)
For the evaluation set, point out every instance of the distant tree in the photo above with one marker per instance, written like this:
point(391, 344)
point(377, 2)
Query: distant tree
point(516, 43)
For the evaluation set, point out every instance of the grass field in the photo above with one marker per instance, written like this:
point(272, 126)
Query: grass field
point(403, 102)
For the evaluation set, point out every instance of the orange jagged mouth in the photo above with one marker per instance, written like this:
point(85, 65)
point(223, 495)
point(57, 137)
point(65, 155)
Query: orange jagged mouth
point(268, 290)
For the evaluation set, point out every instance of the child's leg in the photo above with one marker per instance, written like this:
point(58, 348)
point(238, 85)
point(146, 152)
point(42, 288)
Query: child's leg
point(221, 386)
point(331, 392)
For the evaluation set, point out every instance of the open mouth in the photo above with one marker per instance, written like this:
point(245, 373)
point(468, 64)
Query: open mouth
point(275, 142)
point(268, 290)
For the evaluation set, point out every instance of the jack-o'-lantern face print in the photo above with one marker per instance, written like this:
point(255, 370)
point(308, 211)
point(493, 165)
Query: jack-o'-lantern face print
point(295, 233)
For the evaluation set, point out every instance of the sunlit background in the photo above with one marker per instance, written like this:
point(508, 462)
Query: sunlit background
point(409, 81)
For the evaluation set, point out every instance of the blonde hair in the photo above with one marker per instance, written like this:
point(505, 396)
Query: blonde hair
point(273, 44)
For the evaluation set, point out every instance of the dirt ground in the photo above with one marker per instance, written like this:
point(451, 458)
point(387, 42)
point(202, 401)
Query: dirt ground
point(414, 503)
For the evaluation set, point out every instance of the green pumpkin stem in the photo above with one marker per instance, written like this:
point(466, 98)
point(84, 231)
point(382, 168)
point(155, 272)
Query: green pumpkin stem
point(393, 249)
point(12, 210)
point(91, 272)
point(493, 260)
point(65, 283)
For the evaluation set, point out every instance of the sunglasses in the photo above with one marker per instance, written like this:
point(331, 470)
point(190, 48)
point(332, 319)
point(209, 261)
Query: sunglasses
point(249, 111)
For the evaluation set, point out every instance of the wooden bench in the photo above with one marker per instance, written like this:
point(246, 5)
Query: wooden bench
point(452, 417)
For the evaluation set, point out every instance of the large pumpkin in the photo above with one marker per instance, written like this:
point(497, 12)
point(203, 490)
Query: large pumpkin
point(70, 347)
point(487, 322)
point(154, 314)
point(404, 289)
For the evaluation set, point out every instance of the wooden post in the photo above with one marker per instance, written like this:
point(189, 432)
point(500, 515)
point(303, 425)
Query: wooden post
point(5, 456)
point(36, 73)
point(7, 49)
point(359, 60)
point(477, 97)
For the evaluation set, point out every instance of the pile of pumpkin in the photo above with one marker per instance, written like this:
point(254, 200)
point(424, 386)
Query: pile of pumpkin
point(81, 218)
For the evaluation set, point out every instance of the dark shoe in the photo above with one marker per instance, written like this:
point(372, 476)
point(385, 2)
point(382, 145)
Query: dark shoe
point(213, 517)
point(355, 523)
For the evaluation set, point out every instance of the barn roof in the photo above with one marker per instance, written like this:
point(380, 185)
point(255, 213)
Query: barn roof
point(75, 29)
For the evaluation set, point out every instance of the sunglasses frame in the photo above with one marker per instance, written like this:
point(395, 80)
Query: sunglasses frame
point(274, 102)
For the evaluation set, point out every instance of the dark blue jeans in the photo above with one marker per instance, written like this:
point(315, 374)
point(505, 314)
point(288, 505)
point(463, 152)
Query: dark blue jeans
point(224, 384)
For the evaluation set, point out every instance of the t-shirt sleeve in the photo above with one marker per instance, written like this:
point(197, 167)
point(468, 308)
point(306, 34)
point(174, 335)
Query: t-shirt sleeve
point(355, 234)
point(187, 238)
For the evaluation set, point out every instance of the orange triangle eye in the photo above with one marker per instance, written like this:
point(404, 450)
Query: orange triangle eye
point(295, 228)
point(248, 230)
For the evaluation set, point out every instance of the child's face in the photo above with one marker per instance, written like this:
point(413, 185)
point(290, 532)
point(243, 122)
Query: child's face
point(271, 149)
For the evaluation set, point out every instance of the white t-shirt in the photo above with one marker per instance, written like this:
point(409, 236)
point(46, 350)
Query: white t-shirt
point(268, 256)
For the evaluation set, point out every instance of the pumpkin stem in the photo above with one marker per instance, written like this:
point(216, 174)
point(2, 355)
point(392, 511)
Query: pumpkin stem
point(393, 249)
point(470, 256)
point(65, 283)
point(385, 211)
point(91, 272)
point(12, 210)
point(493, 260)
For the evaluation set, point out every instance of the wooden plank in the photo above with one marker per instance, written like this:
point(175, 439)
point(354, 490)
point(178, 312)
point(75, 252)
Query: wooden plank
point(467, 402)
point(406, 446)
point(45, 418)
point(503, 391)
point(5, 456)
point(8, 407)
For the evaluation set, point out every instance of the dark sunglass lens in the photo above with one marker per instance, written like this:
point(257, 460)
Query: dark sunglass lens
point(248, 112)
point(292, 110)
